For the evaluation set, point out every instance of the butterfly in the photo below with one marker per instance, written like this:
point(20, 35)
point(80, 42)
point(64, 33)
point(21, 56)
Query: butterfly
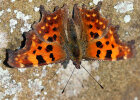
point(58, 37)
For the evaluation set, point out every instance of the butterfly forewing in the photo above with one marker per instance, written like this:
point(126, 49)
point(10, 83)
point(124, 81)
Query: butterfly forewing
point(51, 26)
point(91, 22)
point(45, 43)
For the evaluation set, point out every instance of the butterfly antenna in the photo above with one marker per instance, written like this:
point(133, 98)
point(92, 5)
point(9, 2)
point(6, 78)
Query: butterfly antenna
point(93, 78)
point(68, 80)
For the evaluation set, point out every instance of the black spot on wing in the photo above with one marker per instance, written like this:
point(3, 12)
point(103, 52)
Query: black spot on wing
point(51, 56)
point(107, 42)
point(112, 46)
point(94, 35)
point(50, 39)
point(99, 44)
point(108, 54)
point(98, 53)
point(54, 29)
point(39, 48)
point(54, 36)
point(49, 48)
point(40, 59)
point(90, 26)
point(34, 51)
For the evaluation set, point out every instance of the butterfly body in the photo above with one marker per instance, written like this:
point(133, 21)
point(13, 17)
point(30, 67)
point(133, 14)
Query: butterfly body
point(73, 44)
point(58, 37)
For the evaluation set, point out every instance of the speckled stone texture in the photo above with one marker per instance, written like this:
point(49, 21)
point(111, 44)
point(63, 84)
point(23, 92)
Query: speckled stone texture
point(121, 79)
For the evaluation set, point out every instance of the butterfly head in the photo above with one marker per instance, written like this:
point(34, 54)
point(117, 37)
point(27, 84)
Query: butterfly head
point(77, 64)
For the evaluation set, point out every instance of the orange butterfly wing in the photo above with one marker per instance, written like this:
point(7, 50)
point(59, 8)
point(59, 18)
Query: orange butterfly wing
point(109, 47)
point(52, 25)
point(43, 47)
point(102, 40)
point(91, 22)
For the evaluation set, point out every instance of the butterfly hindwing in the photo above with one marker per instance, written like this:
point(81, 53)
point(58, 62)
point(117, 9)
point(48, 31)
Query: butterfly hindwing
point(36, 53)
point(109, 47)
